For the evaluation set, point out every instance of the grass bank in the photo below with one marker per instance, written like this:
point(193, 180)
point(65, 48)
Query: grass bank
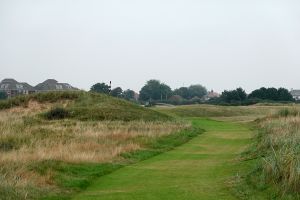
point(52, 159)
point(86, 106)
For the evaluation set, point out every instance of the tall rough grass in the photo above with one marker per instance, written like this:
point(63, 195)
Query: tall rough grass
point(279, 146)
point(27, 139)
point(203, 110)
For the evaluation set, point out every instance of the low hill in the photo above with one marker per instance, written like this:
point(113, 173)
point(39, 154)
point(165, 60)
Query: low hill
point(87, 106)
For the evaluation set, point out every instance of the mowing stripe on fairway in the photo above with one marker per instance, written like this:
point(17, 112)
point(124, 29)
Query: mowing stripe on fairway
point(196, 170)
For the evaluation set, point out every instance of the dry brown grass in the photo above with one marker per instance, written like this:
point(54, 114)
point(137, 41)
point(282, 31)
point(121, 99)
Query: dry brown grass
point(26, 138)
point(73, 141)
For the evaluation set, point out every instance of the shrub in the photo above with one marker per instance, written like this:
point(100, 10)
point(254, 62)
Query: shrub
point(57, 113)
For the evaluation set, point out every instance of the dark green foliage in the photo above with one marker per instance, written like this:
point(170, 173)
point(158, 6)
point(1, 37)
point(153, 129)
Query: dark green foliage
point(232, 96)
point(183, 92)
point(57, 113)
point(191, 92)
point(155, 90)
point(3, 95)
point(273, 94)
point(262, 95)
point(197, 91)
point(128, 94)
point(101, 88)
point(284, 95)
point(116, 92)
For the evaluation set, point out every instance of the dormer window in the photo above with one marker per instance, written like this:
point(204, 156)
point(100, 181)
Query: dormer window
point(19, 86)
point(4, 86)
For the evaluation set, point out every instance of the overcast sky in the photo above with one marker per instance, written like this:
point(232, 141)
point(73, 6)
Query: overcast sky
point(220, 44)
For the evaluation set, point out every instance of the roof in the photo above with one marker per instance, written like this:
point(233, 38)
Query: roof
point(295, 92)
point(28, 87)
point(9, 81)
point(12, 84)
point(212, 94)
point(52, 84)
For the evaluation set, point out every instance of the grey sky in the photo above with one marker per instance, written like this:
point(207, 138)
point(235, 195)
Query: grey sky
point(220, 44)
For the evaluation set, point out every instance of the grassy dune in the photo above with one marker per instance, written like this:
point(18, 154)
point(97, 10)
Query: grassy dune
point(40, 158)
point(88, 106)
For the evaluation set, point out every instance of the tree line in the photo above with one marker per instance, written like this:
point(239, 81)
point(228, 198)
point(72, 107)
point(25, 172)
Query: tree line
point(239, 96)
point(155, 91)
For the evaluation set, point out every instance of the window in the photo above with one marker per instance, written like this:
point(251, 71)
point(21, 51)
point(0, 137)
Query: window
point(59, 87)
point(19, 86)
point(68, 86)
point(4, 86)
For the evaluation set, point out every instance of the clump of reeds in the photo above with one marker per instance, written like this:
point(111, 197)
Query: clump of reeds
point(279, 146)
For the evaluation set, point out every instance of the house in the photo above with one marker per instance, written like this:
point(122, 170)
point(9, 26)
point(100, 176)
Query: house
point(53, 85)
point(14, 88)
point(295, 94)
point(210, 95)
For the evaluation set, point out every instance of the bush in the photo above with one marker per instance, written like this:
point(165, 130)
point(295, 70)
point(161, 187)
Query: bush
point(57, 113)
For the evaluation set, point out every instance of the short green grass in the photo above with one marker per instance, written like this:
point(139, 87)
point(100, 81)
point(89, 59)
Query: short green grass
point(200, 169)
point(77, 177)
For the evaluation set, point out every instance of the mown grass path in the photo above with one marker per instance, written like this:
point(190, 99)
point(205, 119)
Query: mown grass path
point(199, 169)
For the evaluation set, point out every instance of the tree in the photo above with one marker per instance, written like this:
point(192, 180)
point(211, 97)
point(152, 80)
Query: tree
point(258, 94)
point(100, 88)
point(241, 93)
point(155, 90)
point(165, 91)
point(116, 92)
point(3, 95)
point(284, 95)
point(237, 95)
point(183, 92)
point(129, 94)
point(273, 94)
point(197, 91)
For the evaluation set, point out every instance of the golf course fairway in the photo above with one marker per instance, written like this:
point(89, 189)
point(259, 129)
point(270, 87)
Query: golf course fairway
point(198, 170)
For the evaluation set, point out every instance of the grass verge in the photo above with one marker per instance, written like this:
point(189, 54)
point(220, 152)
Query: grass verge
point(274, 158)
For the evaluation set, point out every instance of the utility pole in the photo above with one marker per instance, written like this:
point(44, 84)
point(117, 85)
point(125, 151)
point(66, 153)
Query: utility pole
point(109, 87)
